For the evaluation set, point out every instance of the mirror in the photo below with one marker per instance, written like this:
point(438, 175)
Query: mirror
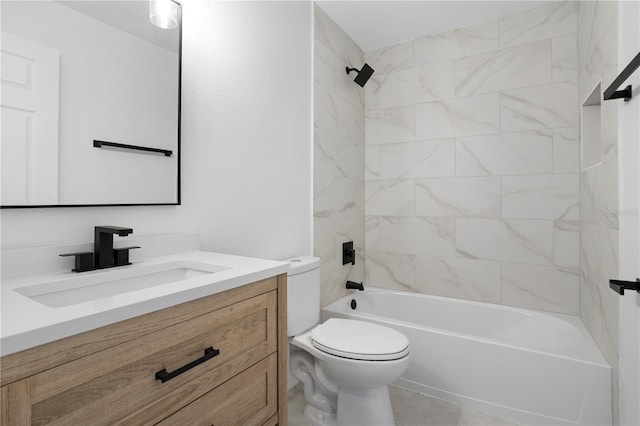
point(77, 72)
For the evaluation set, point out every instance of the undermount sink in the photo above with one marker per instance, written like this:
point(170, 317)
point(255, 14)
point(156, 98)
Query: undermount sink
point(105, 283)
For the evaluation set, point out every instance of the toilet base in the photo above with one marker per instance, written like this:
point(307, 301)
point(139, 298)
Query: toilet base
point(364, 407)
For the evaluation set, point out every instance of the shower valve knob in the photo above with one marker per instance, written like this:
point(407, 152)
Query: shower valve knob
point(348, 253)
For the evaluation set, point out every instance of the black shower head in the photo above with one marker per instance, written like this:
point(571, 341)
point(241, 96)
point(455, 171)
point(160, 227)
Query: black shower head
point(363, 74)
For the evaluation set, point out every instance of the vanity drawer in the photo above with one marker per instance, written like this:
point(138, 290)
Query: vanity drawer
point(119, 385)
point(250, 398)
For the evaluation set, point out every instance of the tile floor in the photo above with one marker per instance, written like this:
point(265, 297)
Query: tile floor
point(411, 409)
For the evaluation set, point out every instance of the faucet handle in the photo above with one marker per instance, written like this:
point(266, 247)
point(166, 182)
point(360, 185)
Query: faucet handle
point(121, 255)
point(83, 261)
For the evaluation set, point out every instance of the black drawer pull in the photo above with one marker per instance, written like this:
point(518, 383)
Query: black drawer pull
point(209, 353)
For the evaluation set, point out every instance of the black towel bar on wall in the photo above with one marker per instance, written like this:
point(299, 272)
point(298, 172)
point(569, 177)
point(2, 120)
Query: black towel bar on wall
point(612, 91)
point(100, 144)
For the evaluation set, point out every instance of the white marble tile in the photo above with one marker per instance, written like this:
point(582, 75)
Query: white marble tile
point(564, 53)
point(541, 197)
point(351, 229)
point(458, 43)
point(344, 84)
point(514, 240)
point(430, 158)
point(607, 196)
point(337, 156)
point(416, 235)
point(609, 130)
point(595, 18)
point(566, 241)
point(390, 197)
point(335, 114)
point(390, 270)
point(599, 195)
point(372, 232)
point(336, 196)
point(510, 68)
point(390, 125)
point(461, 278)
point(566, 150)
point(505, 154)
point(410, 86)
point(389, 58)
point(599, 260)
point(333, 276)
point(547, 288)
point(372, 162)
point(458, 197)
point(548, 106)
point(550, 20)
point(587, 81)
point(324, 66)
point(591, 129)
point(324, 238)
point(588, 188)
point(473, 115)
point(585, 29)
point(358, 197)
point(331, 35)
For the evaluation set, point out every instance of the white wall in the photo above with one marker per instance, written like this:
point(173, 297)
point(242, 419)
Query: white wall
point(246, 140)
point(629, 214)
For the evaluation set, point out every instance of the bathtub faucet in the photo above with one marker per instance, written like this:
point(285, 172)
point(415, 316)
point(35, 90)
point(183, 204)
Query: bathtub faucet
point(354, 286)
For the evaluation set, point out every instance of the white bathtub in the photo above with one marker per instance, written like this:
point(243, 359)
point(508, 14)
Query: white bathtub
point(533, 367)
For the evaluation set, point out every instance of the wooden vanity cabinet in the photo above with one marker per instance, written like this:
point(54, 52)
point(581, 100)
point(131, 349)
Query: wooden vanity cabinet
point(223, 357)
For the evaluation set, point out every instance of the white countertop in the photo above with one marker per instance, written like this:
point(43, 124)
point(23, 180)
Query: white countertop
point(27, 323)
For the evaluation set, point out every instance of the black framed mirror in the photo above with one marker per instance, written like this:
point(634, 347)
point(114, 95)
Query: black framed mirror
point(90, 104)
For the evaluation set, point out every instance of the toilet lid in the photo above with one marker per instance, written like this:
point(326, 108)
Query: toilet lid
point(359, 340)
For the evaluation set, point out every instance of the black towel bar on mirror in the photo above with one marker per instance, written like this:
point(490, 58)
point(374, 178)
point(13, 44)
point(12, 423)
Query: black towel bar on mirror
point(612, 91)
point(100, 144)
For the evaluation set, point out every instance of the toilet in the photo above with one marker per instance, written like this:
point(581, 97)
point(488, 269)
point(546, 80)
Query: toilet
point(343, 364)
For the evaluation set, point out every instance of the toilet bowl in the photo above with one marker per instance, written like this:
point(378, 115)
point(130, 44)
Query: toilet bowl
point(344, 365)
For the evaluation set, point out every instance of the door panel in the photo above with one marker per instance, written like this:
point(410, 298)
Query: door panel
point(29, 114)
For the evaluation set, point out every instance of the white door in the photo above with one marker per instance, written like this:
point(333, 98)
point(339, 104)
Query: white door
point(29, 122)
point(629, 145)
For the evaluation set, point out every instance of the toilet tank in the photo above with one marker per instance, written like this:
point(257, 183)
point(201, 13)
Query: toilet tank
point(303, 294)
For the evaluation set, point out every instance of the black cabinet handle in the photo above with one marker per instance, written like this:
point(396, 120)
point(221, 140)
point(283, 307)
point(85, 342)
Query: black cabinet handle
point(165, 376)
point(620, 286)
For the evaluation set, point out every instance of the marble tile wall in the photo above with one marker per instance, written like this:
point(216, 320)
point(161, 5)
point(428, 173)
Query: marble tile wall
point(472, 179)
point(338, 156)
point(598, 63)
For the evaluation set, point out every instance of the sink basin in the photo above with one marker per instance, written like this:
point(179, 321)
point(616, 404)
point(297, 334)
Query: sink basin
point(111, 282)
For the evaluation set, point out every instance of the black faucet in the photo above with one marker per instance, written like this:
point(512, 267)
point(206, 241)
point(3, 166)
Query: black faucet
point(354, 286)
point(103, 244)
point(104, 255)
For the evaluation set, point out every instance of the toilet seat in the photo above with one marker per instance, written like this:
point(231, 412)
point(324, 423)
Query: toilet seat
point(359, 340)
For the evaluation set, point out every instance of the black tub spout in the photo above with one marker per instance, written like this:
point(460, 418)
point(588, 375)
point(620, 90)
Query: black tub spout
point(354, 286)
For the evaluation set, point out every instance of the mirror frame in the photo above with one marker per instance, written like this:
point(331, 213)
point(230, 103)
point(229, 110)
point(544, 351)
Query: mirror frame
point(178, 145)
